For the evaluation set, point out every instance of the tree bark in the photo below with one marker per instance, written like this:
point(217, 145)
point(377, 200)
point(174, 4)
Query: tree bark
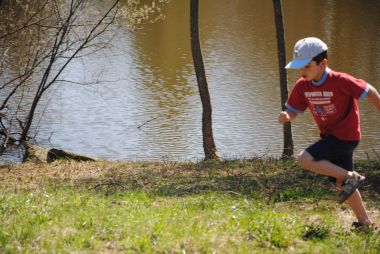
point(287, 128)
point(208, 138)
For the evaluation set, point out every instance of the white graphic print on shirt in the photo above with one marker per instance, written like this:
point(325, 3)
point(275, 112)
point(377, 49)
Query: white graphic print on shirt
point(320, 103)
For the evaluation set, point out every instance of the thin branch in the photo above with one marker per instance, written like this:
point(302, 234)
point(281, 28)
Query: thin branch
point(89, 38)
point(146, 122)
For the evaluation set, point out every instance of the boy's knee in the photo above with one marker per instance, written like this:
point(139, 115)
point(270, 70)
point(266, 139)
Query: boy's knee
point(304, 158)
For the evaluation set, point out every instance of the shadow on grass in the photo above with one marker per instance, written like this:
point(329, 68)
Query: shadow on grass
point(272, 180)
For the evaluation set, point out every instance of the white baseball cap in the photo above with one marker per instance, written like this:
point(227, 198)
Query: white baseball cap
point(304, 51)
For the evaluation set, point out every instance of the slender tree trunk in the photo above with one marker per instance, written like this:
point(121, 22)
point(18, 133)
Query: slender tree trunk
point(208, 138)
point(287, 128)
point(29, 120)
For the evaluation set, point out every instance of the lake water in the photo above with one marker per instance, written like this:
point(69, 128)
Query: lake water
point(148, 105)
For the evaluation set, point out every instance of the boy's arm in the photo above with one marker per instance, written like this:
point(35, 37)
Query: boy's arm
point(374, 97)
point(287, 116)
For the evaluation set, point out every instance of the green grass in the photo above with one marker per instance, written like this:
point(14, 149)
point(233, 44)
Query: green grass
point(241, 206)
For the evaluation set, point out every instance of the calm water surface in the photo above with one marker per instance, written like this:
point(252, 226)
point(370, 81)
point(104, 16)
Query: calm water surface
point(148, 107)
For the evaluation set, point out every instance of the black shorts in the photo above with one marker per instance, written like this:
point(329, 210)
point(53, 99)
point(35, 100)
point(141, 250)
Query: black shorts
point(337, 151)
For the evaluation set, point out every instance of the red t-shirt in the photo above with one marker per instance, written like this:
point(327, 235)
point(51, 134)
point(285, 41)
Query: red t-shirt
point(333, 104)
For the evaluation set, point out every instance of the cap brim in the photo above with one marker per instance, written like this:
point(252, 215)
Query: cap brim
point(298, 63)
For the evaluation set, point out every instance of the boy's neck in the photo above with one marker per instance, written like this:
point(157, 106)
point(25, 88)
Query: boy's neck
point(322, 77)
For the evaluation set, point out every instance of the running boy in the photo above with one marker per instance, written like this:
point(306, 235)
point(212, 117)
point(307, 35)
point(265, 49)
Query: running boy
point(332, 99)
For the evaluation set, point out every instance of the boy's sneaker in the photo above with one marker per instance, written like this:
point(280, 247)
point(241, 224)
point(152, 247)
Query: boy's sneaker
point(365, 228)
point(349, 186)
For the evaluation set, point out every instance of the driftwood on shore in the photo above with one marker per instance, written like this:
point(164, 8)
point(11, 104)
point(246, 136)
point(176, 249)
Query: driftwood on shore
point(39, 154)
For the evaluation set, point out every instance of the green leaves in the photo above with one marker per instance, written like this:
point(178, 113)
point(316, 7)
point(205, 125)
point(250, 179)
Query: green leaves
point(315, 231)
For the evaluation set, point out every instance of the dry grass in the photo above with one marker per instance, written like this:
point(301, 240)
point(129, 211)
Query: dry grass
point(195, 207)
point(240, 176)
point(274, 179)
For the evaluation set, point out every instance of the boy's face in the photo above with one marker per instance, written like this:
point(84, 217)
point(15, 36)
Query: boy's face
point(313, 71)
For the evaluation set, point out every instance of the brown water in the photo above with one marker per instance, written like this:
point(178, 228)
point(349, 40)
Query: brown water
point(150, 108)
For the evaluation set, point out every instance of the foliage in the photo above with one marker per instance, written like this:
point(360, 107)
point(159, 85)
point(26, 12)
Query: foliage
point(137, 12)
point(39, 40)
point(50, 35)
point(169, 207)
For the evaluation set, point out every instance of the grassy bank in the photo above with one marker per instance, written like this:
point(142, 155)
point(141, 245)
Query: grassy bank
point(235, 206)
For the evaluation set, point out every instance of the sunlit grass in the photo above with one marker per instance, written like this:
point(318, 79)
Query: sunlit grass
point(215, 207)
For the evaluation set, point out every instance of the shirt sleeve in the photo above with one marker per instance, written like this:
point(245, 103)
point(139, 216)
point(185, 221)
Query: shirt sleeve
point(365, 92)
point(354, 87)
point(296, 101)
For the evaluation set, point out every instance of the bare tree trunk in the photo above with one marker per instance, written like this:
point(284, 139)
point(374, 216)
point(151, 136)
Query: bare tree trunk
point(287, 128)
point(208, 138)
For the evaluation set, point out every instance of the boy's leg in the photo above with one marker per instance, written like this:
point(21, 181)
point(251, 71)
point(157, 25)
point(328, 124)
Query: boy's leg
point(323, 167)
point(327, 168)
point(340, 172)
point(357, 205)
point(331, 157)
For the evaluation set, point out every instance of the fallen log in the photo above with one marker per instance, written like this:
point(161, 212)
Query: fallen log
point(36, 153)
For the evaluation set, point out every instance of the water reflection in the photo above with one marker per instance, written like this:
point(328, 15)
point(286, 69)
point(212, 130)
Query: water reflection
point(149, 107)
